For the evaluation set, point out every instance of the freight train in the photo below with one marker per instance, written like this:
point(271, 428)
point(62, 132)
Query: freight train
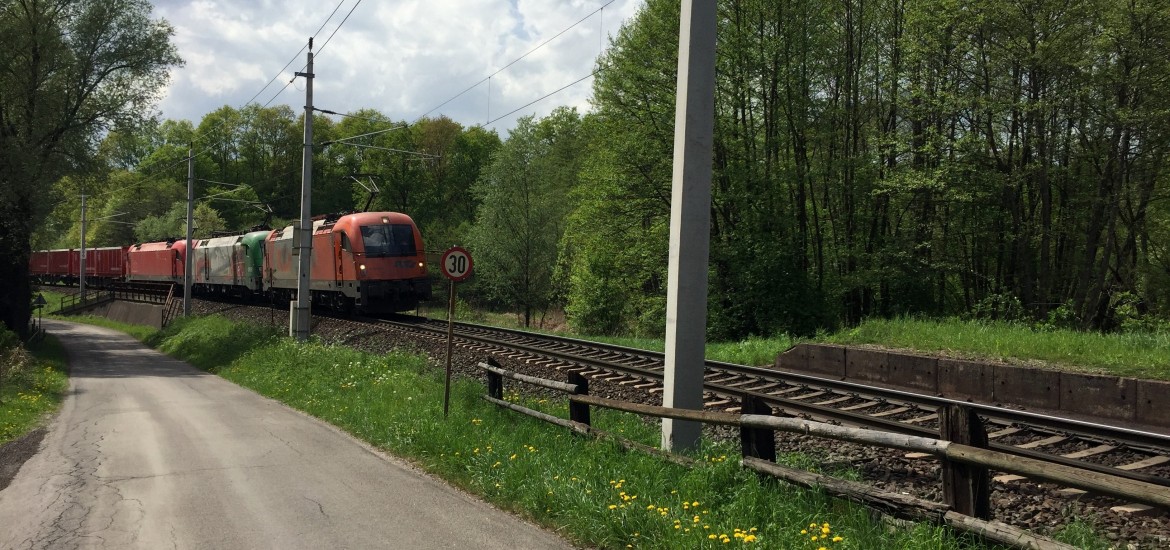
point(369, 262)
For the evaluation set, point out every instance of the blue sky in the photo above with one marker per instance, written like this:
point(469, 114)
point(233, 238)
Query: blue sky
point(402, 57)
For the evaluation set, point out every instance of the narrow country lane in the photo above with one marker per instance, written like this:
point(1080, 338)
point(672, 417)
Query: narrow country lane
point(149, 452)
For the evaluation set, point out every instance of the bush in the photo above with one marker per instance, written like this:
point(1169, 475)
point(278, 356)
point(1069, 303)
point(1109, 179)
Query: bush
point(13, 357)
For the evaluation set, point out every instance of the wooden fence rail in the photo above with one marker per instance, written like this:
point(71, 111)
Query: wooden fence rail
point(965, 460)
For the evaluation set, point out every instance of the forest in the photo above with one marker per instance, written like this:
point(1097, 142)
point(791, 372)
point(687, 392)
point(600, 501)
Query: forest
point(873, 158)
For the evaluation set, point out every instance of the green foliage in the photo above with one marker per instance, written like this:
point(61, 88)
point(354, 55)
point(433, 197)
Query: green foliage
point(524, 196)
point(210, 342)
point(615, 245)
point(871, 161)
point(1139, 354)
point(31, 384)
point(206, 221)
point(70, 71)
point(170, 224)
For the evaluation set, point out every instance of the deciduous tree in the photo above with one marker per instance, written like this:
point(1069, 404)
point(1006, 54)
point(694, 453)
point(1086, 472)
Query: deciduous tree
point(70, 70)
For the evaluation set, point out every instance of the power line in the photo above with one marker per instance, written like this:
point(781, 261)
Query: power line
point(514, 61)
point(546, 96)
point(327, 19)
point(347, 115)
point(403, 151)
point(374, 133)
point(199, 136)
point(340, 24)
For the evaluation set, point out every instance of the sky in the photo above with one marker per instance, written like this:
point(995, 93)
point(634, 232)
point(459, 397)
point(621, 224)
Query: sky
point(401, 57)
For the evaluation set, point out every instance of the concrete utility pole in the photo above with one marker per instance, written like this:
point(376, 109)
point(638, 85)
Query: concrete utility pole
point(301, 313)
point(187, 276)
point(690, 222)
point(81, 262)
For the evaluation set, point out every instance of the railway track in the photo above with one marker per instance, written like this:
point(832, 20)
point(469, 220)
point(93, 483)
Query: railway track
point(1104, 448)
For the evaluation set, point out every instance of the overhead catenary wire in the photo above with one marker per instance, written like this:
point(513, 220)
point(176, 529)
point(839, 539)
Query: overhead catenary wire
point(391, 149)
point(339, 25)
point(487, 78)
point(384, 120)
point(550, 94)
point(201, 135)
point(374, 133)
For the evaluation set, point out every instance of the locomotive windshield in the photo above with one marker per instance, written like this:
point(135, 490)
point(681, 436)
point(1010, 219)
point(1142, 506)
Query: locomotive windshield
point(382, 241)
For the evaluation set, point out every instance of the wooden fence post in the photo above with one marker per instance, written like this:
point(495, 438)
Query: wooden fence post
point(966, 488)
point(495, 382)
point(579, 412)
point(757, 442)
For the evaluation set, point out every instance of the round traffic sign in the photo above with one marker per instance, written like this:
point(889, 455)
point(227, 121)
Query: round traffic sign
point(456, 263)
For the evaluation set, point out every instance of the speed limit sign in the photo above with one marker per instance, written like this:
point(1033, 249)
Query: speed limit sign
point(456, 264)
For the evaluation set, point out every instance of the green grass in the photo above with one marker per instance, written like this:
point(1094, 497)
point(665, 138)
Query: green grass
point(141, 332)
point(32, 389)
point(591, 491)
point(52, 299)
point(1139, 354)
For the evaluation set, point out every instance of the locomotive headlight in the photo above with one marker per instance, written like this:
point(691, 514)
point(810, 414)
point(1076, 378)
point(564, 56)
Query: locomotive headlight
point(421, 264)
point(362, 267)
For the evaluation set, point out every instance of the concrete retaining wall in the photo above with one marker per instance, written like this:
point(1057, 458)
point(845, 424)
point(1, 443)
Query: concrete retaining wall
point(1142, 402)
point(132, 312)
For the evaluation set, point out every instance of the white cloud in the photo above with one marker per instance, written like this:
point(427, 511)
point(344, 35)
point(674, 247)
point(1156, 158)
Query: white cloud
point(402, 58)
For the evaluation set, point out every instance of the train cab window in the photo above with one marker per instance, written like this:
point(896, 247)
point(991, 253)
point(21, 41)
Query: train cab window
point(345, 243)
point(388, 240)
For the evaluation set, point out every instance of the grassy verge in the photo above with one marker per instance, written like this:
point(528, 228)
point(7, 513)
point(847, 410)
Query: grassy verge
point(141, 332)
point(591, 491)
point(31, 386)
point(1140, 354)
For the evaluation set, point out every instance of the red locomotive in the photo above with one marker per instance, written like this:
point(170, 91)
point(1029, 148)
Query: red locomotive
point(158, 262)
point(372, 262)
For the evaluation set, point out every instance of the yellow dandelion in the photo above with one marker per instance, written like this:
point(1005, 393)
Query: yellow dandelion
point(749, 538)
point(838, 539)
point(612, 506)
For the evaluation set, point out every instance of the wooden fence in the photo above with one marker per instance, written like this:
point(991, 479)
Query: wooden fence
point(966, 462)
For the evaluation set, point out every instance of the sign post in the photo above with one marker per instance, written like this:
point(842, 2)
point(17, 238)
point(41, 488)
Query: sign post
point(39, 303)
point(456, 265)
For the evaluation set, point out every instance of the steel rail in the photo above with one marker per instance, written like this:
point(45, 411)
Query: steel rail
point(1138, 440)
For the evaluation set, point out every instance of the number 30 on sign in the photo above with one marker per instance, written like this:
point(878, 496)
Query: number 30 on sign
point(456, 264)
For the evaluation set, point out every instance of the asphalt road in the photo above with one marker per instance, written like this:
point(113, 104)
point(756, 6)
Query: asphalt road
point(149, 452)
